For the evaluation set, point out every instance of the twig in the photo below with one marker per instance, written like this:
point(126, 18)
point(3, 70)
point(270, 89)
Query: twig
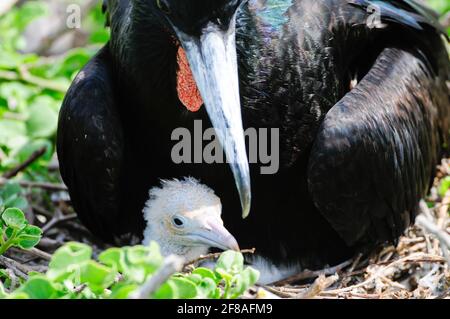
point(16, 170)
point(9, 75)
point(279, 293)
point(80, 288)
point(14, 281)
point(172, 264)
point(19, 269)
point(216, 256)
point(39, 253)
point(48, 243)
point(442, 236)
point(309, 274)
point(57, 218)
point(33, 252)
point(267, 293)
point(26, 76)
point(319, 285)
point(46, 186)
point(419, 257)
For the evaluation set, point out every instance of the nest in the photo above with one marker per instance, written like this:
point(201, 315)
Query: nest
point(417, 268)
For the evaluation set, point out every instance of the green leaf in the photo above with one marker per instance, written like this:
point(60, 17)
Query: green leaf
point(122, 291)
point(9, 232)
point(32, 230)
point(231, 262)
point(13, 134)
point(223, 274)
point(67, 259)
point(444, 187)
point(183, 288)
point(113, 257)
point(17, 202)
point(208, 289)
point(141, 261)
point(205, 273)
point(10, 189)
point(39, 288)
point(96, 276)
point(43, 119)
point(166, 291)
point(29, 238)
point(14, 218)
point(27, 150)
point(243, 281)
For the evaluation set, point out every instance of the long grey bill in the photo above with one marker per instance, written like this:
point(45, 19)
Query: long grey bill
point(213, 61)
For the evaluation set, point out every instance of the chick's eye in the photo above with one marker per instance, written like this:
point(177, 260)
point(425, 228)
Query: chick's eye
point(163, 6)
point(178, 222)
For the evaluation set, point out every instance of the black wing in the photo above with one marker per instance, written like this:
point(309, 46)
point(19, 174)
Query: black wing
point(377, 148)
point(90, 146)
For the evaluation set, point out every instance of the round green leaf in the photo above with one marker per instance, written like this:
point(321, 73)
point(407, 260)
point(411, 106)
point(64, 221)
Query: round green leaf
point(14, 218)
point(70, 254)
point(205, 273)
point(122, 291)
point(166, 291)
point(96, 276)
point(184, 289)
point(231, 262)
point(39, 288)
point(42, 121)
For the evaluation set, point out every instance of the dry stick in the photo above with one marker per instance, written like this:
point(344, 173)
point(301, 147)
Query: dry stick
point(419, 257)
point(319, 285)
point(14, 281)
point(432, 228)
point(80, 288)
point(216, 256)
point(347, 277)
point(279, 293)
point(33, 252)
point(19, 269)
point(171, 265)
point(309, 274)
point(58, 218)
point(48, 243)
point(47, 186)
point(39, 253)
point(21, 167)
point(26, 76)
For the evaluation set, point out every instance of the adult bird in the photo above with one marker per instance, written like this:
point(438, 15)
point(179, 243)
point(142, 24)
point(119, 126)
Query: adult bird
point(358, 91)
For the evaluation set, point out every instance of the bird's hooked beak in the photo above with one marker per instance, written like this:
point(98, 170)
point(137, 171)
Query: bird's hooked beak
point(213, 61)
point(214, 234)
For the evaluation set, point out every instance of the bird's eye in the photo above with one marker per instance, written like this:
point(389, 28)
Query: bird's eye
point(163, 6)
point(178, 222)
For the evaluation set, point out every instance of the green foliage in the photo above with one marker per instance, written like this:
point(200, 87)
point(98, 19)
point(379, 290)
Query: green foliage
point(444, 186)
point(15, 231)
point(120, 272)
point(32, 88)
point(442, 7)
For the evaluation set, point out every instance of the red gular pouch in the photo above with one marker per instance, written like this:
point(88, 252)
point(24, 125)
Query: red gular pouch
point(187, 89)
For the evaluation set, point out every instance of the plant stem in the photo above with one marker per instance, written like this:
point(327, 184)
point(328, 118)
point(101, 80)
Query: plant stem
point(6, 245)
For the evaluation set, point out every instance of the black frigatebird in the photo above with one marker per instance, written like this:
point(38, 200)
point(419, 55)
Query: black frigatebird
point(357, 89)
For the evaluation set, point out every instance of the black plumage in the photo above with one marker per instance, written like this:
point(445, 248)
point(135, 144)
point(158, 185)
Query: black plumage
point(354, 161)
